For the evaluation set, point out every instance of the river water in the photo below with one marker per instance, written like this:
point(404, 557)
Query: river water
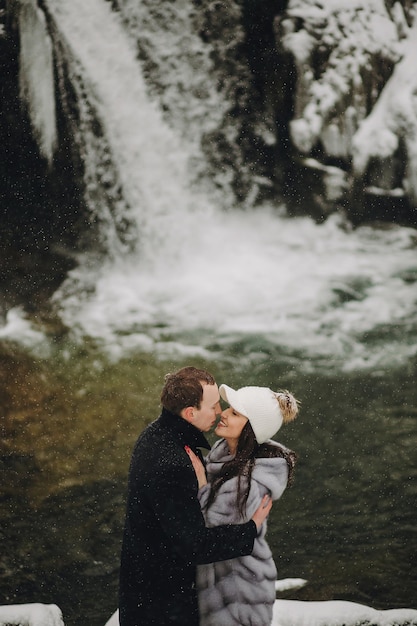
point(347, 525)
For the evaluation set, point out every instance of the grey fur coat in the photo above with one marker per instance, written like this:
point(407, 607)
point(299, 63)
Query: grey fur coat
point(240, 591)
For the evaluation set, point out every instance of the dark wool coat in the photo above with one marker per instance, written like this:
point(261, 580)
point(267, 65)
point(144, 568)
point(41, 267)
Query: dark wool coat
point(240, 591)
point(165, 536)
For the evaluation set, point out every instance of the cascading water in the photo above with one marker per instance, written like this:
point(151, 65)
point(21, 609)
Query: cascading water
point(38, 95)
point(200, 277)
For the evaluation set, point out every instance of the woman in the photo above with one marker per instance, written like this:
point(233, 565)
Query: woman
point(242, 467)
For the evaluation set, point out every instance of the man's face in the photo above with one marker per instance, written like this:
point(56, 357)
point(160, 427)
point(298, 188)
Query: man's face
point(205, 417)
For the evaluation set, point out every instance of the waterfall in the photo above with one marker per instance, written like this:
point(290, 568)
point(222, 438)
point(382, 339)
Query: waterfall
point(36, 77)
point(200, 274)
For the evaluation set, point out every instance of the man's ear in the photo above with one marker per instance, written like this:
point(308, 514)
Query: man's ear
point(188, 413)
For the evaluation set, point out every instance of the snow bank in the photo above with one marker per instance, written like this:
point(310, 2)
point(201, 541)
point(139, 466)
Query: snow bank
point(337, 613)
point(289, 583)
point(328, 613)
point(36, 614)
point(114, 620)
point(286, 613)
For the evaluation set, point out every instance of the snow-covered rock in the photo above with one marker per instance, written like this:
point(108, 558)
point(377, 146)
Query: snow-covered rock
point(393, 119)
point(289, 583)
point(36, 614)
point(338, 48)
point(338, 613)
point(328, 613)
point(285, 613)
point(114, 620)
point(355, 91)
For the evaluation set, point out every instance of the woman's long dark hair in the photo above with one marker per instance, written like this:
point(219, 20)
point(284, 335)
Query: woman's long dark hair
point(243, 463)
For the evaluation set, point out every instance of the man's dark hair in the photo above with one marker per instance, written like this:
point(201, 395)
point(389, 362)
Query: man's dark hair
point(184, 388)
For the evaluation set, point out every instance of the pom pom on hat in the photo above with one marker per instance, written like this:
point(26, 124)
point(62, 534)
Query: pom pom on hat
point(262, 407)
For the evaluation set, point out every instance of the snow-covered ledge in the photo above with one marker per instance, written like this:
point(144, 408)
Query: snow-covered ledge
point(286, 613)
point(326, 613)
point(338, 613)
point(36, 614)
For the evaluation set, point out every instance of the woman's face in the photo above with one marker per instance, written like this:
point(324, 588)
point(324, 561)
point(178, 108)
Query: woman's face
point(230, 425)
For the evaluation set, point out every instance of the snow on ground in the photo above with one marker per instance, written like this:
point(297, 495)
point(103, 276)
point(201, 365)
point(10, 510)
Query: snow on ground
point(286, 613)
point(338, 613)
point(329, 613)
point(36, 614)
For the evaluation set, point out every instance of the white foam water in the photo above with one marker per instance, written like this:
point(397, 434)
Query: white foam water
point(221, 277)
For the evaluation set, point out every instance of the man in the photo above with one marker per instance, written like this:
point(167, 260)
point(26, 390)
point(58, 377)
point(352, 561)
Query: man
point(165, 536)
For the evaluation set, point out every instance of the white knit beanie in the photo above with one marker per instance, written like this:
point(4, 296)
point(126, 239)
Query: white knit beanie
point(259, 405)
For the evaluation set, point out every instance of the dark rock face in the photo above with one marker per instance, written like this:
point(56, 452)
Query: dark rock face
point(39, 207)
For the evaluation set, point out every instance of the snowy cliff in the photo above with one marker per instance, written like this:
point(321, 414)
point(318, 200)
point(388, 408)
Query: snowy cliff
point(354, 103)
point(289, 86)
point(266, 94)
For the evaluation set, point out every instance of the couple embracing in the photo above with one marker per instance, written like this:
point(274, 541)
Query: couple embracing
point(194, 551)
